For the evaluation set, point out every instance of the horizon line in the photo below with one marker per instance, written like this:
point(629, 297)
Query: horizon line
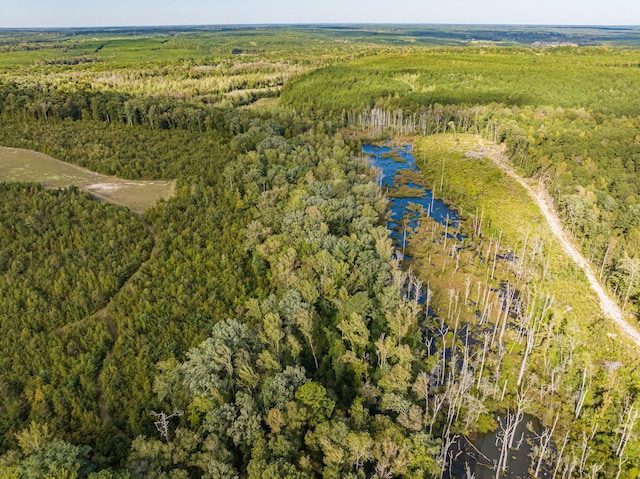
point(315, 24)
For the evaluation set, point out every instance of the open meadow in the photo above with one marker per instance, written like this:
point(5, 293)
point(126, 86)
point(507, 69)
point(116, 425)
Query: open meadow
point(24, 166)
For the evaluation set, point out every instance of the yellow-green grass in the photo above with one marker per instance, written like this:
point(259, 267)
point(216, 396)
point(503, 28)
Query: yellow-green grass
point(108, 49)
point(269, 103)
point(17, 165)
point(577, 323)
point(472, 182)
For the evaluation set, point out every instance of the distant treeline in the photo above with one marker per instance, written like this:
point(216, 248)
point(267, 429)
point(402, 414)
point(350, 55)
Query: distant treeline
point(36, 104)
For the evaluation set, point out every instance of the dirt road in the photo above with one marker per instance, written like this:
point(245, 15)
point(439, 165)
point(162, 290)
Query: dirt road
point(542, 198)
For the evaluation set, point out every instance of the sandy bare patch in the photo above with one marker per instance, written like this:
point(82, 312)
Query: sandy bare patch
point(104, 187)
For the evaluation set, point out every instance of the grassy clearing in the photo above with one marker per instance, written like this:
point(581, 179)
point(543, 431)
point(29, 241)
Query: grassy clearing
point(476, 186)
point(469, 268)
point(262, 103)
point(17, 165)
point(109, 49)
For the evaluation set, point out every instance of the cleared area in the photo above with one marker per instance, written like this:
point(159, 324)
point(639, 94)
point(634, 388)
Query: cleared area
point(544, 201)
point(506, 206)
point(18, 165)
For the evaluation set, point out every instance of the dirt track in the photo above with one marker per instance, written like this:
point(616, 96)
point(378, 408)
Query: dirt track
point(542, 198)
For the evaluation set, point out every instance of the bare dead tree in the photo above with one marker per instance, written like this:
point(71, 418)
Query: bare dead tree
point(559, 456)
point(585, 452)
point(445, 456)
point(438, 403)
point(507, 433)
point(503, 437)
point(485, 347)
point(162, 422)
point(582, 394)
point(622, 460)
point(522, 401)
point(595, 469)
point(468, 473)
point(545, 439)
point(495, 255)
point(628, 418)
point(527, 351)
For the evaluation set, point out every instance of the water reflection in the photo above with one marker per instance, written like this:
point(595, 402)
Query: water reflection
point(479, 454)
point(406, 211)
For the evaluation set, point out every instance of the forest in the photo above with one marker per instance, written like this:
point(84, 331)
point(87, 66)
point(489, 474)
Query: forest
point(263, 322)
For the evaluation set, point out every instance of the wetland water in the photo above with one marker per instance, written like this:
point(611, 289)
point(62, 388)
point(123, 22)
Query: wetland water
point(393, 163)
point(397, 169)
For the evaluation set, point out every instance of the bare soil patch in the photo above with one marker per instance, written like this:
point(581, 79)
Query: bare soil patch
point(18, 165)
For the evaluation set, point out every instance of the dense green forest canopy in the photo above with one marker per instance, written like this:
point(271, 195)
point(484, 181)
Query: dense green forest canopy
point(590, 78)
point(256, 325)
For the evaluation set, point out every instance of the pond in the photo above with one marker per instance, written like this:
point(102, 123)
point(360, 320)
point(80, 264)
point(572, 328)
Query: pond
point(391, 161)
point(479, 454)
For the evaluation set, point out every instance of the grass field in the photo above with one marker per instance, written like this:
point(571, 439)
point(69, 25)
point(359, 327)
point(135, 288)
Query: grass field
point(472, 182)
point(17, 165)
point(510, 217)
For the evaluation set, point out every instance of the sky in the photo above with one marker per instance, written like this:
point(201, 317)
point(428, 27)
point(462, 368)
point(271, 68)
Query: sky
point(91, 13)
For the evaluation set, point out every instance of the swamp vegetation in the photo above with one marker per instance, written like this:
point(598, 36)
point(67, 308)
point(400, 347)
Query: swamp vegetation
point(261, 322)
